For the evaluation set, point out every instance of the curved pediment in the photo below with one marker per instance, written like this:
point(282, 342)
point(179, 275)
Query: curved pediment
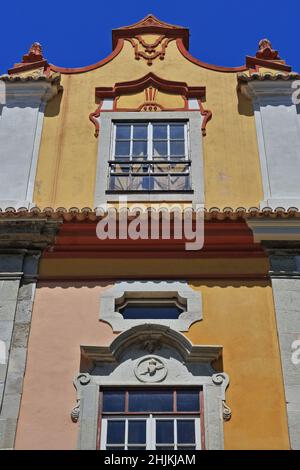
point(149, 93)
point(149, 338)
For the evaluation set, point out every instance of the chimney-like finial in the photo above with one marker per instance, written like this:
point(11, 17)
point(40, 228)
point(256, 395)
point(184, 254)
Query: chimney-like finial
point(35, 54)
point(266, 51)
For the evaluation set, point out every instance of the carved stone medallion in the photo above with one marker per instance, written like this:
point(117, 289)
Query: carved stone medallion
point(150, 369)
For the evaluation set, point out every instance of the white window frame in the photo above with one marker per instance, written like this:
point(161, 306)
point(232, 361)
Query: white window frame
point(195, 150)
point(150, 419)
point(150, 157)
point(150, 151)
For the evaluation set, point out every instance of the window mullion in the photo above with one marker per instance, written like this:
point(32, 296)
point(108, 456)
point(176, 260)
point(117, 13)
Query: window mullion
point(114, 141)
point(175, 434)
point(186, 141)
point(126, 434)
point(168, 142)
point(197, 422)
point(151, 433)
point(131, 142)
point(103, 438)
point(150, 141)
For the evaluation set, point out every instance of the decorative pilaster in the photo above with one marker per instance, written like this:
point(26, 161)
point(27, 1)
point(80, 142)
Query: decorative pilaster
point(21, 245)
point(285, 277)
point(278, 134)
point(23, 98)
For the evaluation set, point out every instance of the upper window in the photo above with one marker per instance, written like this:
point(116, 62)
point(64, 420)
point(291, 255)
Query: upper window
point(150, 156)
point(152, 308)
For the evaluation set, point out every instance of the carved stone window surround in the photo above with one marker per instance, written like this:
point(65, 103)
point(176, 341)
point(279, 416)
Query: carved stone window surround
point(177, 362)
point(155, 289)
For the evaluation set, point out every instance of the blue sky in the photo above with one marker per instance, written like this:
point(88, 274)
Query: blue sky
point(77, 33)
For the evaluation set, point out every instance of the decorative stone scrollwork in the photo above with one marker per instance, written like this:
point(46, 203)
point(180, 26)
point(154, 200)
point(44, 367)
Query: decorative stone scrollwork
point(81, 379)
point(222, 379)
point(226, 411)
point(75, 412)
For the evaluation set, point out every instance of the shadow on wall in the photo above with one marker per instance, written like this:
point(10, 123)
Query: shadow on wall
point(245, 106)
point(53, 106)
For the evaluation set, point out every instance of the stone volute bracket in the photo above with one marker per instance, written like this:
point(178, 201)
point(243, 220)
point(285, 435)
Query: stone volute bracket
point(222, 380)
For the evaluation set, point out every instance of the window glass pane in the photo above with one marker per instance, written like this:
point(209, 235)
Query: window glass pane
point(115, 448)
point(156, 400)
point(160, 131)
point(119, 183)
point(188, 400)
point(140, 168)
point(164, 431)
point(113, 401)
point(115, 432)
point(177, 131)
point(139, 148)
point(140, 131)
point(155, 312)
point(160, 149)
point(164, 447)
point(162, 183)
point(140, 183)
point(122, 132)
point(136, 447)
point(185, 431)
point(122, 147)
point(136, 432)
point(186, 447)
point(177, 147)
point(180, 183)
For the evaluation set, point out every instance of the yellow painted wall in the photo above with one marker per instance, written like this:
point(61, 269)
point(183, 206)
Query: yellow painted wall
point(240, 316)
point(67, 161)
point(166, 100)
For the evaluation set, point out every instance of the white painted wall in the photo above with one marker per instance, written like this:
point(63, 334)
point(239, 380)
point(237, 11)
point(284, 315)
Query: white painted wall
point(22, 107)
point(278, 134)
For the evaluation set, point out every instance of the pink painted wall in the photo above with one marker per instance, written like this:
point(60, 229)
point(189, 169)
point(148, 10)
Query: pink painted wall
point(64, 317)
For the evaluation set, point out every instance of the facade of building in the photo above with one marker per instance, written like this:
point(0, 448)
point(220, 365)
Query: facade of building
point(133, 342)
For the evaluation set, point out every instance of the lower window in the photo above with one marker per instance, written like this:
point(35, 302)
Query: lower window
point(151, 420)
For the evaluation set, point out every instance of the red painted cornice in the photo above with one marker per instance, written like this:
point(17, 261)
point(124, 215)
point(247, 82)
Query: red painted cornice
point(151, 25)
point(255, 62)
point(216, 68)
point(134, 86)
point(68, 70)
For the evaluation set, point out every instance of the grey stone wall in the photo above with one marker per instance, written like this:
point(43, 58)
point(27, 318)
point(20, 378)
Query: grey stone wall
point(285, 277)
point(17, 286)
point(22, 241)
